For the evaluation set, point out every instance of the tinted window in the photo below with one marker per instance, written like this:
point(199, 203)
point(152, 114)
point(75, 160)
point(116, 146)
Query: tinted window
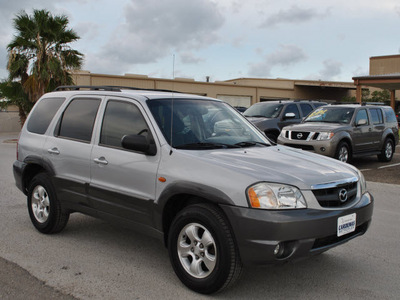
point(389, 114)
point(78, 119)
point(120, 119)
point(362, 114)
point(306, 109)
point(43, 113)
point(292, 108)
point(267, 110)
point(376, 116)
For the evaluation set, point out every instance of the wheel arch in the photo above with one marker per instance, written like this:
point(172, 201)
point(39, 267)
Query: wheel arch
point(388, 134)
point(34, 165)
point(180, 195)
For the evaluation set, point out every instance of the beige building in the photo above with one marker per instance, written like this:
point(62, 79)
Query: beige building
point(237, 92)
point(384, 73)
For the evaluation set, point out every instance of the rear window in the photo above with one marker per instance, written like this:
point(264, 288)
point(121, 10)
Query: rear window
point(43, 113)
point(389, 114)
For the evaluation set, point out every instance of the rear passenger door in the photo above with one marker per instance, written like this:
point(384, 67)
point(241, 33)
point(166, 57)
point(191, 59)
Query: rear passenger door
point(123, 181)
point(68, 150)
point(378, 127)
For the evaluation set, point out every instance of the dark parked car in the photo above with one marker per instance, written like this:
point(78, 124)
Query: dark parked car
point(272, 116)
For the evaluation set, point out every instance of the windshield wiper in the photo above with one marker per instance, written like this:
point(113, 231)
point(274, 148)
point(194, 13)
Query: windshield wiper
point(256, 116)
point(195, 146)
point(250, 144)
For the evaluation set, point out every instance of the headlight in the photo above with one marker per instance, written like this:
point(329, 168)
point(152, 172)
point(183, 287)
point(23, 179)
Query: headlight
point(275, 196)
point(323, 136)
point(363, 183)
point(283, 132)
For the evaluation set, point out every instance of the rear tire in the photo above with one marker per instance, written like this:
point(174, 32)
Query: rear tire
point(44, 207)
point(343, 152)
point(202, 249)
point(387, 151)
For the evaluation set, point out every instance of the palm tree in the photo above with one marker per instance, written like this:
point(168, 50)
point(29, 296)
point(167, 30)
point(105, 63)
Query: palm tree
point(40, 56)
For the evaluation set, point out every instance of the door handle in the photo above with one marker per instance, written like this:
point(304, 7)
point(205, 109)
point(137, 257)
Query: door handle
point(101, 161)
point(53, 150)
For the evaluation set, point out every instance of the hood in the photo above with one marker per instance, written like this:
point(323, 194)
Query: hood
point(277, 164)
point(256, 120)
point(317, 126)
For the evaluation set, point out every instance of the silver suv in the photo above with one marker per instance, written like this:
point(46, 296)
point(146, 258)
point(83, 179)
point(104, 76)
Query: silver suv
point(189, 170)
point(346, 131)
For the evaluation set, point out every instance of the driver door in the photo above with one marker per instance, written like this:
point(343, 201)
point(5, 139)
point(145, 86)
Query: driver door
point(122, 181)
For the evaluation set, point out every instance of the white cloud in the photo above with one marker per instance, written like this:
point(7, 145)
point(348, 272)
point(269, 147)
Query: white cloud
point(294, 14)
point(331, 69)
point(189, 58)
point(286, 55)
point(154, 29)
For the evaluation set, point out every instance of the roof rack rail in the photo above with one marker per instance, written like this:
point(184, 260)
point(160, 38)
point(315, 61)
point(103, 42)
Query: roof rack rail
point(86, 87)
point(111, 88)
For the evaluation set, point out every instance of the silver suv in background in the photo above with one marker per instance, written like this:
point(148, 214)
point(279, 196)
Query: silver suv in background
point(271, 116)
point(346, 131)
point(189, 170)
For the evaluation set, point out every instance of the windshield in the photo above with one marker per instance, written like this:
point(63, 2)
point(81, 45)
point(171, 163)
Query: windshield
point(266, 110)
point(203, 124)
point(329, 114)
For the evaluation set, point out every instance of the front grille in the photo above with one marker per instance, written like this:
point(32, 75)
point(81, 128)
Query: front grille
point(334, 239)
point(334, 196)
point(299, 135)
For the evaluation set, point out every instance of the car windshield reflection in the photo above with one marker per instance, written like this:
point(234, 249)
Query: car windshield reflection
point(201, 124)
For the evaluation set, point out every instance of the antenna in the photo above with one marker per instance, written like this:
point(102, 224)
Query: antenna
point(172, 101)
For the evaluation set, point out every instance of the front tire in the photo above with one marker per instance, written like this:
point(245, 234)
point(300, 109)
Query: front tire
point(387, 151)
point(343, 152)
point(44, 207)
point(202, 249)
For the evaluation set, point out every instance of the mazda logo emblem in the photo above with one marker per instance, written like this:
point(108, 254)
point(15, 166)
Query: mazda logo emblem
point(299, 135)
point(343, 195)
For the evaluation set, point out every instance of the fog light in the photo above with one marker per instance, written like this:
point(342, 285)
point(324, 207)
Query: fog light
point(323, 149)
point(279, 249)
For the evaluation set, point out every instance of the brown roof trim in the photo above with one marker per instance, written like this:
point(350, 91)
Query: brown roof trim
point(385, 56)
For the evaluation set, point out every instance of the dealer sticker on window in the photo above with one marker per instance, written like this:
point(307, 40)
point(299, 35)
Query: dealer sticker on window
point(346, 224)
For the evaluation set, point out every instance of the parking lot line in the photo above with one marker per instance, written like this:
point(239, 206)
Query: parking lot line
point(389, 166)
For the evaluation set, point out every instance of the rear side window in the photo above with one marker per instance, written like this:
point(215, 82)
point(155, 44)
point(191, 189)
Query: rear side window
point(376, 116)
point(78, 119)
point(306, 109)
point(389, 114)
point(43, 113)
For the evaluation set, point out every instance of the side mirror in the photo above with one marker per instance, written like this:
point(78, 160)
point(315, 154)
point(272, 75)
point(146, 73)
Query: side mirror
point(362, 122)
point(289, 116)
point(139, 143)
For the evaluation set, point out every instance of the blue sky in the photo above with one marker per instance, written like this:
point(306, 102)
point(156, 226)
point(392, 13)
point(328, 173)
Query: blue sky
point(309, 39)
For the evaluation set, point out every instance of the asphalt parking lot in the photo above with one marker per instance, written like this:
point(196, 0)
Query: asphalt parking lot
point(377, 171)
point(92, 259)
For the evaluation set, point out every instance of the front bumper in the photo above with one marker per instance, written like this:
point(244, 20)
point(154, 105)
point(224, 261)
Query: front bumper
point(300, 233)
point(327, 147)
